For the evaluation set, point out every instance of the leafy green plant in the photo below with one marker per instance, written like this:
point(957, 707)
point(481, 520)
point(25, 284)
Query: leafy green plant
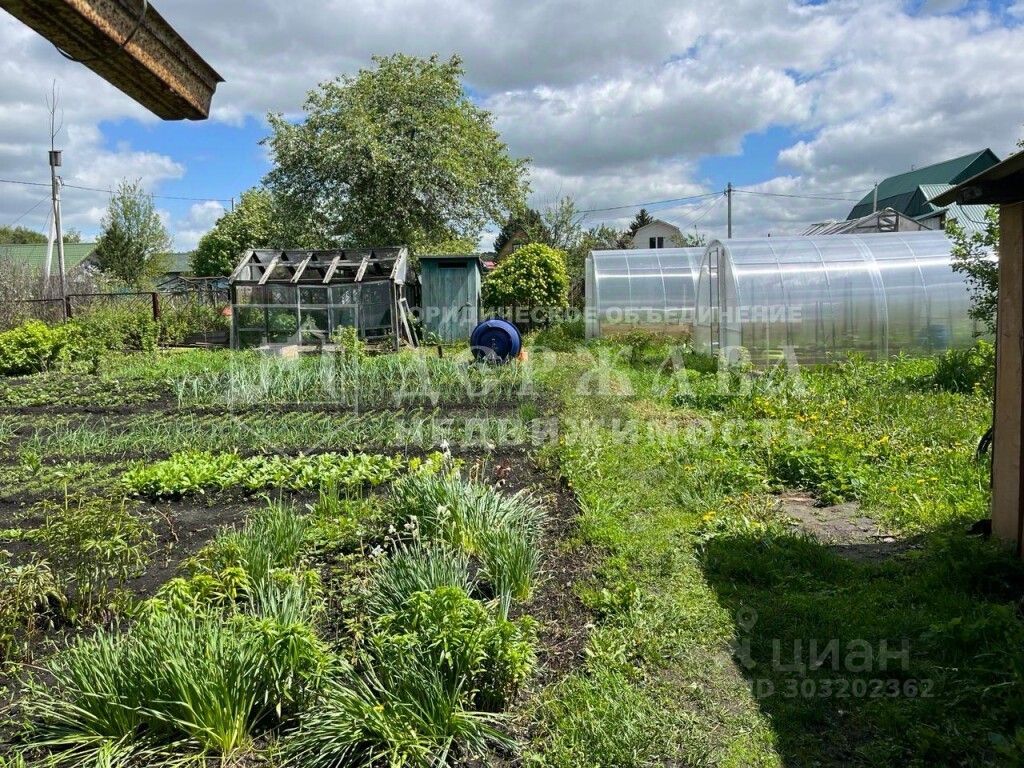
point(93, 545)
point(174, 685)
point(412, 569)
point(35, 346)
point(27, 592)
point(199, 471)
point(490, 656)
point(346, 338)
point(963, 370)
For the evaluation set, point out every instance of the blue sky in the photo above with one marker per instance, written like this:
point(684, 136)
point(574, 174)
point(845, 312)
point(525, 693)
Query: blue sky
point(806, 99)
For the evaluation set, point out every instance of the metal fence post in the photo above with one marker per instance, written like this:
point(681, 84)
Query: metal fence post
point(156, 305)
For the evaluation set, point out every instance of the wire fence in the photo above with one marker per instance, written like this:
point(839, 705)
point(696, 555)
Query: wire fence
point(186, 316)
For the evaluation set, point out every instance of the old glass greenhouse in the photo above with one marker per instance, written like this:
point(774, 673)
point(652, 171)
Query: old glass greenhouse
point(808, 297)
point(302, 297)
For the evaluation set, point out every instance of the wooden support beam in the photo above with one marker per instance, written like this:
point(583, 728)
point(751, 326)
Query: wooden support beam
point(1007, 466)
point(131, 46)
point(269, 270)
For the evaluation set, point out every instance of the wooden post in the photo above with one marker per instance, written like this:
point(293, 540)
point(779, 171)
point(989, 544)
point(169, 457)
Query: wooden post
point(1007, 467)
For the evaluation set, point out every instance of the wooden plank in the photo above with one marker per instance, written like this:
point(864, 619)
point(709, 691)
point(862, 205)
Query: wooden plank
point(332, 269)
point(301, 268)
point(1007, 481)
point(147, 60)
point(269, 270)
point(362, 267)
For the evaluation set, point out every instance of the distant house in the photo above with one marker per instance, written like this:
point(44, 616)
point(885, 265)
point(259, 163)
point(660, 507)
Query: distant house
point(909, 193)
point(657, 234)
point(34, 255)
point(177, 267)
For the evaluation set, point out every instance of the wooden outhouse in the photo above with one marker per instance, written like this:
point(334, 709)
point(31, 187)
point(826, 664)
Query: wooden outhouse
point(450, 295)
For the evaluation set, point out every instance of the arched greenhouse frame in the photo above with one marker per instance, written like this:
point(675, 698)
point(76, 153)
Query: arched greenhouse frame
point(814, 298)
point(654, 289)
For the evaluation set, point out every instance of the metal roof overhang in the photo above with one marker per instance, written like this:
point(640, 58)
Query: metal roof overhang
point(131, 46)
point(1002, 183)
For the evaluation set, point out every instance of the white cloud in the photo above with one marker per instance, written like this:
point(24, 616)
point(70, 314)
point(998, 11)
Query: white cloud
point(201, 218)
point(615, 103)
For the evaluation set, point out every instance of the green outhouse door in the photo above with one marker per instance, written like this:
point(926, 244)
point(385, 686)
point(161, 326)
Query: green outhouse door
point(450, 296)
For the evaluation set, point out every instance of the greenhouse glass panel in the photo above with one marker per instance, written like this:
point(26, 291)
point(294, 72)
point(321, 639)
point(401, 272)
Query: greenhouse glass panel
point(652, 289)
point(295, 297)
point(810, 299)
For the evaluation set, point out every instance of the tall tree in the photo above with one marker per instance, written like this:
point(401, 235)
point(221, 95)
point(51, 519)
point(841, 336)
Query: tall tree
point(525, 225)
point(254, 223)
point(398, 153)
point(642, 219)
point(133, 244)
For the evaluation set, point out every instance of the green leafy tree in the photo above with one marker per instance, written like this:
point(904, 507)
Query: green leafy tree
point(397, 154)
point(20, 236)
point(72, 236)
point(254, 223)
point(972, 256)
point(134, 243)
point(525, 225)
point(533, 278)
point(690, 240)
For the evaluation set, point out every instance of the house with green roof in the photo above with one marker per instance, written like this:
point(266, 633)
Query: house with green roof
point(909, 193)
point(34, 255)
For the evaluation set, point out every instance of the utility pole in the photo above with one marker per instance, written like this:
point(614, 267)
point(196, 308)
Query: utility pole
point(728, 197)
point(55, 187)
point(53, 104)
point(874, 207)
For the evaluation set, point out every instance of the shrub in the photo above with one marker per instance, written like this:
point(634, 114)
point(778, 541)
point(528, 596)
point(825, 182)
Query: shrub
point(964, 370)
point(489, 655)
point(532, 277)
point(182, 319)
point(35, 346)
point(120, 328)
point(561, 337)
point(346, 338)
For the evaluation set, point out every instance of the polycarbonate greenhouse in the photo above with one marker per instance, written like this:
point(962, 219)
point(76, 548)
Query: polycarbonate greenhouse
point(876, 294)
point(653, 289)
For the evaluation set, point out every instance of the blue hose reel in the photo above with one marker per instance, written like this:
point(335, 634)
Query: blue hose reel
point(496, 341)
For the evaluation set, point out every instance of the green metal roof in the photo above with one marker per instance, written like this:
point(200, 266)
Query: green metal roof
point(35, 254)
point(970, 217)
point(902, 192)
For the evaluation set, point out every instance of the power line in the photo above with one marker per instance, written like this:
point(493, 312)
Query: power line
point(110, 191)
point(652, 202)
point(801, 197)
point(26, 213)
